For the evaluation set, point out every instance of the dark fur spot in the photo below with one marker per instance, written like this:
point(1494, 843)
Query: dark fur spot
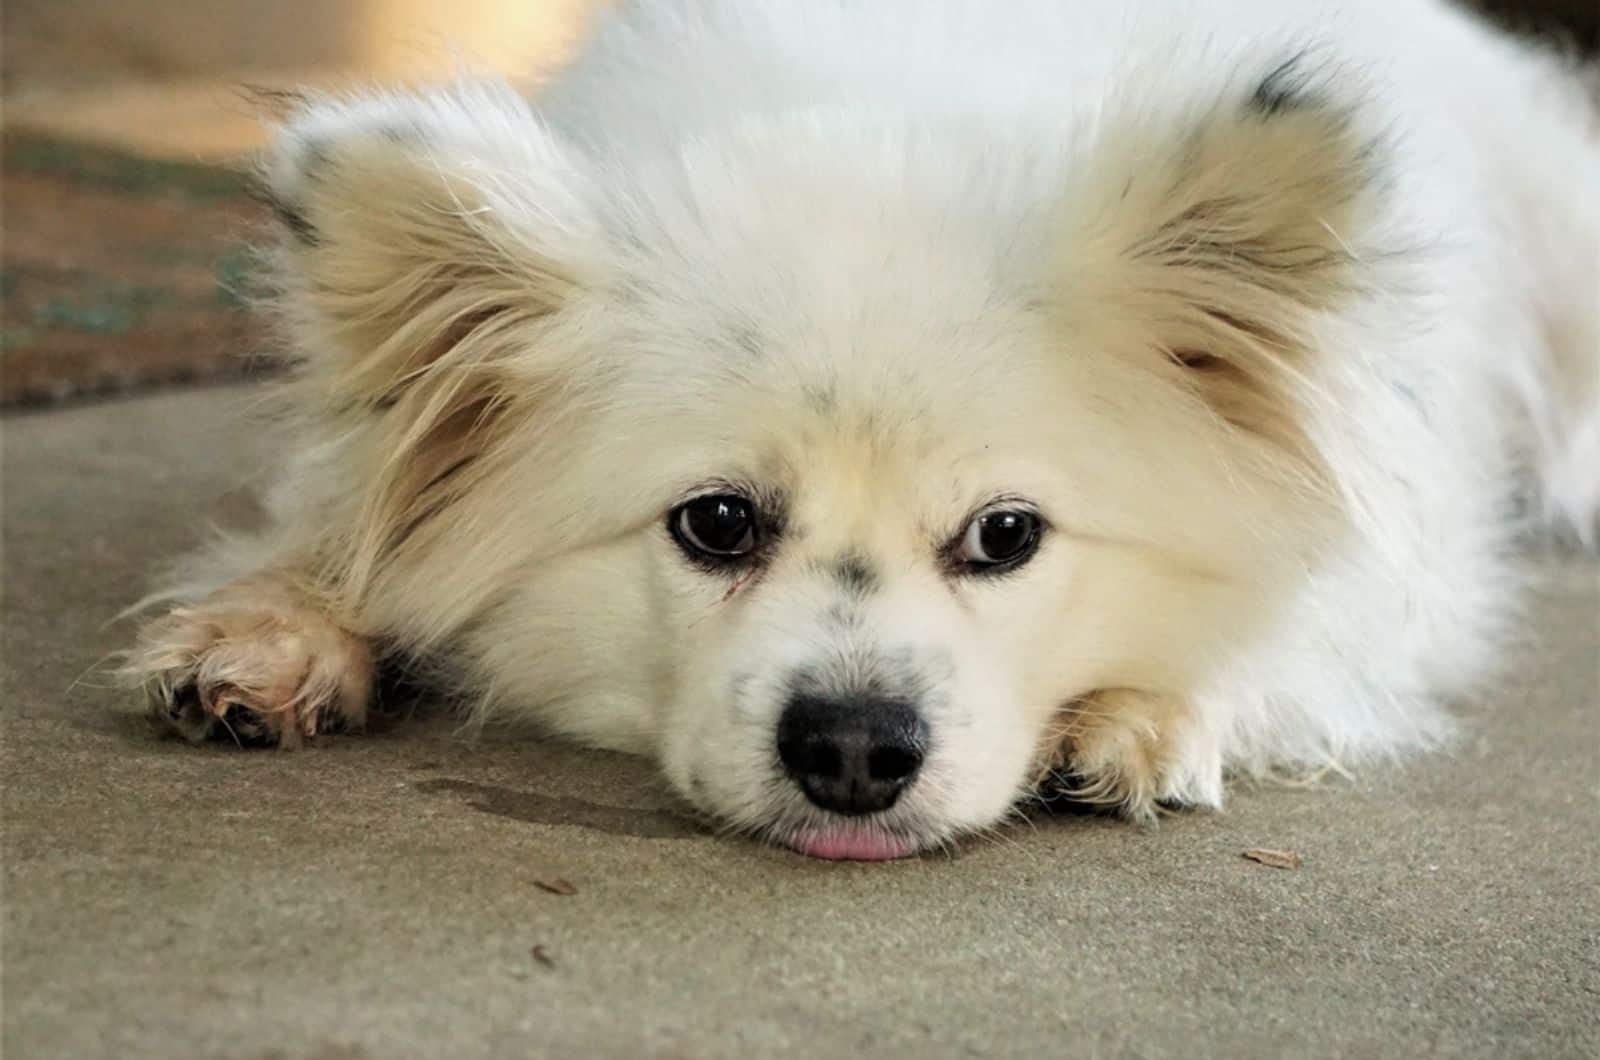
point(852, 572)
point(821, 399)
point(745, 339)
point(841, 615)
point(289, 216)
point(314, 158)
point(1199, 360)
point(1286, 88)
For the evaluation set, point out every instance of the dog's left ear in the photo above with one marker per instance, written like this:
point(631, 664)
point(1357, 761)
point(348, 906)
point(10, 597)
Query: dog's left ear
point(1216, 239)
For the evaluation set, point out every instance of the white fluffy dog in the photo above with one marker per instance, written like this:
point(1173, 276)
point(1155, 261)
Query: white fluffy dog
point(877, 412)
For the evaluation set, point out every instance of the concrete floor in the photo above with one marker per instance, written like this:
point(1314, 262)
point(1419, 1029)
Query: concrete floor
point(378, 896)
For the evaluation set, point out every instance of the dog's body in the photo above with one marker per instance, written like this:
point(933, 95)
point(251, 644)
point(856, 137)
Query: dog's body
point(872, 410)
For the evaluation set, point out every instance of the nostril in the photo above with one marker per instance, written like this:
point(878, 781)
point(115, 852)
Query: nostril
point(893, 762)
point(807, 747)
point(817, 757)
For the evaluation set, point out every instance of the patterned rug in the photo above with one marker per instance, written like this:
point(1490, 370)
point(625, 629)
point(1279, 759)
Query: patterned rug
point(120, 272)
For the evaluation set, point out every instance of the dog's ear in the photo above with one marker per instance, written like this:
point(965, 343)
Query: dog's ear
point(433, 244)
point(1220, 239)
point(426, 234)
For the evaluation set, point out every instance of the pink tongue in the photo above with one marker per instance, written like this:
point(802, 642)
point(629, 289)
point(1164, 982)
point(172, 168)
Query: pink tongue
point(851, 845)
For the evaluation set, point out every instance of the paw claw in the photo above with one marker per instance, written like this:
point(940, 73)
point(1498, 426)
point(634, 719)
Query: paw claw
point(181, 710)
point(184, 703)
point(248, 727)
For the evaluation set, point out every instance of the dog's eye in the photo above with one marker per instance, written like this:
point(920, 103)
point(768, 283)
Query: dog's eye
point(719, 528)
point(999, 539)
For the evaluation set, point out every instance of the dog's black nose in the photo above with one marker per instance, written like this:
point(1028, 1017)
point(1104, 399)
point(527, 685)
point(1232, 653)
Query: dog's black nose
point(851, 756)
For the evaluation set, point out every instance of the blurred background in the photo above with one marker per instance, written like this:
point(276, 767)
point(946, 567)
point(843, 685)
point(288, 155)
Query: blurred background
point(125, 216)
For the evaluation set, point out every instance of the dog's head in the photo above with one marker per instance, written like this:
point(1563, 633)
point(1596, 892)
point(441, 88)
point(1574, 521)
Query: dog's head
point(843, 464)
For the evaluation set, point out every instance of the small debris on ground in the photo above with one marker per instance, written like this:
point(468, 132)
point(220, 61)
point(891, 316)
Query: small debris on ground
point(556, 886)
point(1278, 859)
point(543, 958)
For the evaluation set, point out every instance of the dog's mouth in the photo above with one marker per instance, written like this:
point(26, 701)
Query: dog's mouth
point(849, 842)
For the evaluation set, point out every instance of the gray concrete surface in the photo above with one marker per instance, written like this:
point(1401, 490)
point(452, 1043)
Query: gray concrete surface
point(376, 897)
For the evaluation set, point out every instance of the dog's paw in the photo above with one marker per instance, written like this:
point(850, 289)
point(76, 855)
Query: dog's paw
point(259, 669)
point(1131, 752)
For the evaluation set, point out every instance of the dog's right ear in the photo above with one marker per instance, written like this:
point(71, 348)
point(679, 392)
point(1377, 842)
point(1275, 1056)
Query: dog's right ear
point(427, 235)
point(1228, 236)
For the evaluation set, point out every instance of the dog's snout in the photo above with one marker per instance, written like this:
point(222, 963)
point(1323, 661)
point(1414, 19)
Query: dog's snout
point(851, 756)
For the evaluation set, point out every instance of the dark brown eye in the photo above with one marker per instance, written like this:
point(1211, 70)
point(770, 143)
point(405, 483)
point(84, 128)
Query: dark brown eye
point(999, 539)
point(719, 528)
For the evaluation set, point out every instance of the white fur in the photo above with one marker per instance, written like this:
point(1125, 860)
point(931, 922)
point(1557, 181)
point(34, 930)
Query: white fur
point(874, 256)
